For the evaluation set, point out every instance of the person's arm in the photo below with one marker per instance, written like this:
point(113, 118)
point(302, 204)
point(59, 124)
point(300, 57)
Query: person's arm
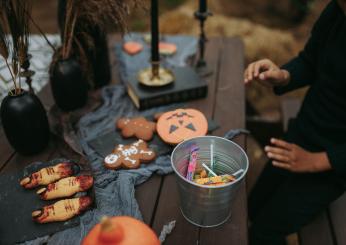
point(303, 68)
point(296, 159)
point(337, 158)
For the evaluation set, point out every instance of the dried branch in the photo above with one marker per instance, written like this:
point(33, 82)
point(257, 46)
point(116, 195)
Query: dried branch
point(13, 19)
point(40, 30)
point(87, 14)
point(4, 48)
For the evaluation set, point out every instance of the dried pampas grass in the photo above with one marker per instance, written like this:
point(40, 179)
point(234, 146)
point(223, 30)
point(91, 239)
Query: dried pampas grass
point(4, 48)
point(105, 12)
point(93, 13)
point(15, 21)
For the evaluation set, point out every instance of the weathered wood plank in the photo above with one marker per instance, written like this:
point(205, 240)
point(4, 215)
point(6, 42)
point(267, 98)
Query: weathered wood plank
point(230, 95)
point(168, 208)
point(204, 105)
point(6, 151)
point(19, 162)
point(230, 113)
point(147, 196)
point(212, 56)
point(146, 193)
point(317, 232)
point(234, 231)
point(338, 219)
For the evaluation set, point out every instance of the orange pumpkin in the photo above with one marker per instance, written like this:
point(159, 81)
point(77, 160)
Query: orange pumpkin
point(176, 126)
point(121, 230)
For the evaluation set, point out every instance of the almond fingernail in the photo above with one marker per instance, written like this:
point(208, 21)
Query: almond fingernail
point(36, 213)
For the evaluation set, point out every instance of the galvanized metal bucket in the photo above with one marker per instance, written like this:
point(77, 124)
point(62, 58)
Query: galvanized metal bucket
point(202, 205)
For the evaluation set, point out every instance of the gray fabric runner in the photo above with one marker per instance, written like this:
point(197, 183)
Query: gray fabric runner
point(115, 190)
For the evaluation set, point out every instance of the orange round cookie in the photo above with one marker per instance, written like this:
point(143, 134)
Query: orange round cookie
point(176, 126)
point(132, 48)
point(167, 48)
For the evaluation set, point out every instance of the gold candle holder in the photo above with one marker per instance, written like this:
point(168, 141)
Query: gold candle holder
point(155, 76)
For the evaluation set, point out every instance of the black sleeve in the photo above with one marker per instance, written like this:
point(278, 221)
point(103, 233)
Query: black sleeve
point(337, 158)
point(302, 68)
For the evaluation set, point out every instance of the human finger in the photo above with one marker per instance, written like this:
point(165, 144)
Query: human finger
point(281, 143)
point(246, 80)
point(271, 74)
point(250, 71)
point(277, 150)
point(278, 157)
point(261, 66)
point(282, 165)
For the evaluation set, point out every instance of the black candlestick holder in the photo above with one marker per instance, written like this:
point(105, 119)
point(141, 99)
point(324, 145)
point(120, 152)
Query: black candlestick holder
point(201, 65)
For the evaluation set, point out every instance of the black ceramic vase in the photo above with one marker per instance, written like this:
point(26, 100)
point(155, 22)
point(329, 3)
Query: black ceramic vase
point(98, 55)
point(25, 123)
point(100, 59)
point(68, 84)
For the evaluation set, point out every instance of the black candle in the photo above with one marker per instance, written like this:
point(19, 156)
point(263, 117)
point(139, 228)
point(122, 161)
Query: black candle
point(155, 31)
point(202, 6)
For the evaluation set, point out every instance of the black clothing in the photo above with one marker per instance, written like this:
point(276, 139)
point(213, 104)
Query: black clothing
point(322, 64)
point(282, 202)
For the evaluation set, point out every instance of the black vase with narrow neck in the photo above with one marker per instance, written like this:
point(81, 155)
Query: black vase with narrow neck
point(68, 84)
point(25, 122)
point(97, 54)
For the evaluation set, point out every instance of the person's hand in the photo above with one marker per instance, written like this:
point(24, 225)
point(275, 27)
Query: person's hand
point(295, 159)
point(267, 73)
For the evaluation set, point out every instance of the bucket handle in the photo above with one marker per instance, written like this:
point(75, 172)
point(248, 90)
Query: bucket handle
point(231, 134)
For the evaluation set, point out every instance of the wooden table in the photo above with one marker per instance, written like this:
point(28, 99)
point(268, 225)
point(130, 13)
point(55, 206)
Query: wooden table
point(158, 197)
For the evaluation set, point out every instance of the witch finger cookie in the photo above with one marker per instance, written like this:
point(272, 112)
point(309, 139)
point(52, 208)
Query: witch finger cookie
point(129, 156)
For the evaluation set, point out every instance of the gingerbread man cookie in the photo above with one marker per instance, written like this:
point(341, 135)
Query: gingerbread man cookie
point(138, 127)
point(129, 156)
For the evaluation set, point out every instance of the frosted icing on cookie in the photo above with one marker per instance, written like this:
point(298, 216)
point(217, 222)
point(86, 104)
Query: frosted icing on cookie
point(129, 156)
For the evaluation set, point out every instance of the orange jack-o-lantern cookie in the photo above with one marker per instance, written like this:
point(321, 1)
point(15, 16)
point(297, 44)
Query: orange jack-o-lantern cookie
point(138, 127)
point(129, 156)
point(175, 126)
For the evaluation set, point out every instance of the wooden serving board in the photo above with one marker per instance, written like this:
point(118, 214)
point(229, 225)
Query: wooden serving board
point(17, 204)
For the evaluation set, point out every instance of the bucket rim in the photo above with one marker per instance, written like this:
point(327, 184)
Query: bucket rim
point(240, 178)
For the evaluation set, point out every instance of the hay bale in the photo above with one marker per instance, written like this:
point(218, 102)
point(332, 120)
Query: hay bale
point(260, 41)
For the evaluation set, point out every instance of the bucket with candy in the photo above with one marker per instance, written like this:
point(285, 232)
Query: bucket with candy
point(209, 171)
